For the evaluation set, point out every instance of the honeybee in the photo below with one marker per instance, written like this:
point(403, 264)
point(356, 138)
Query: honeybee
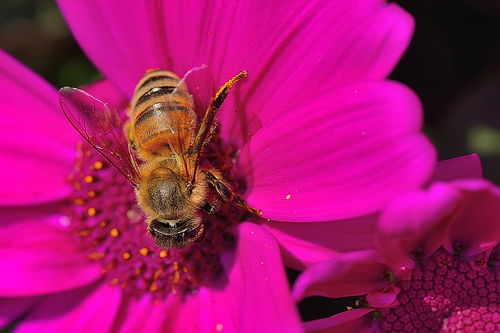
point(157, 149)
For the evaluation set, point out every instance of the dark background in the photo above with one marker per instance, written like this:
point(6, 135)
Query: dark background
point(453, 63)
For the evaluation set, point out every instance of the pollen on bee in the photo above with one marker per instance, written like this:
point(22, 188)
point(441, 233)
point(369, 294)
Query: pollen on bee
point(88, 179)
point(98, 165)
point(126, 255)
point(91, 211)
point(114, 232)
point(144, 251)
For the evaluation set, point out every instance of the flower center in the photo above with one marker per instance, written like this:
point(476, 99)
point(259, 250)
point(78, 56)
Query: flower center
point(447, 293)
point(106, 219)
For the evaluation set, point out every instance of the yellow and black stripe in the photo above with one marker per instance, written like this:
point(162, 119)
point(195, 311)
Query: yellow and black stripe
point(161, 107)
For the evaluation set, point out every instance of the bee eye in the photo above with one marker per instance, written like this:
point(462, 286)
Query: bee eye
point(190, 187)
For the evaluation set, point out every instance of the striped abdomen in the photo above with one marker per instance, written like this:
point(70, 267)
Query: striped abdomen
point(162, 113)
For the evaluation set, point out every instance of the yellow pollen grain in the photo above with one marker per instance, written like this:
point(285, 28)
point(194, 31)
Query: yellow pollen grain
point(78, 201)
point(114, 282)
point(84, 233)
point(176, 266)
point(103, 223)
point(177, 276)
point(219, 327)
point(88, 179)
point(157, 273)
point(185, 269)
point(91, 211)
point(98, 165)
point(87, 153)
point(163, 254)
point(126, 255)
point(96, 255)
point(288, 196)
point(153, 286)
point(144, 251)
point(114, 232)
point(77, 185)
point(91, 194)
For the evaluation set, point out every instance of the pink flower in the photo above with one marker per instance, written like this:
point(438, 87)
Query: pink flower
point(436, 268)
point(317, 134)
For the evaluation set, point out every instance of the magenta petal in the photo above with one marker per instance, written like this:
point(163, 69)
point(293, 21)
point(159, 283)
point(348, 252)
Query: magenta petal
point(378, 299)
point(340, 155)
point(44, 260)
point(468, 166)
point(304, 244)
point(37, 142)
point(13, 308)
point(416, 221)
point(355, 320)
point(360, 40)
point(145, 315)
point(256, 296)
point(349, 274)
point(82, 310)
point(475, 224)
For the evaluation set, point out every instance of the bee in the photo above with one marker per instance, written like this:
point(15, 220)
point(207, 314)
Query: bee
point(158, 149)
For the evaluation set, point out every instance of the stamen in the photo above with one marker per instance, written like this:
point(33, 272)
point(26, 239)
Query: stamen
point(109, 224)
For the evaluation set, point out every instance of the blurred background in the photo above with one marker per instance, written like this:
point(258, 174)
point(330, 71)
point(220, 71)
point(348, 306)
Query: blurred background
point(453, 63)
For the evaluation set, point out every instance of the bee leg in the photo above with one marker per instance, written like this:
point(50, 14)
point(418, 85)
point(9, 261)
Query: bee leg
point(211, 207)
point(208, 124)
point(226, 193)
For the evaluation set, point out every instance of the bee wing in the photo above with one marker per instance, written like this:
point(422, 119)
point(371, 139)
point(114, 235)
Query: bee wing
point(182, 126)
point(101, 127)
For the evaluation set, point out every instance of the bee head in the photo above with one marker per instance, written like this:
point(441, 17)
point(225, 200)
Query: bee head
point(166, 195)
point(176, 233)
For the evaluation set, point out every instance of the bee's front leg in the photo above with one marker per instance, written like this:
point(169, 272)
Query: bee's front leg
point(225, 192)
point(211, 206)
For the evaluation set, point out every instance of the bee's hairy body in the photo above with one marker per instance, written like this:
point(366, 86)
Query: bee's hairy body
point(163, 132)
point(162, 124)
